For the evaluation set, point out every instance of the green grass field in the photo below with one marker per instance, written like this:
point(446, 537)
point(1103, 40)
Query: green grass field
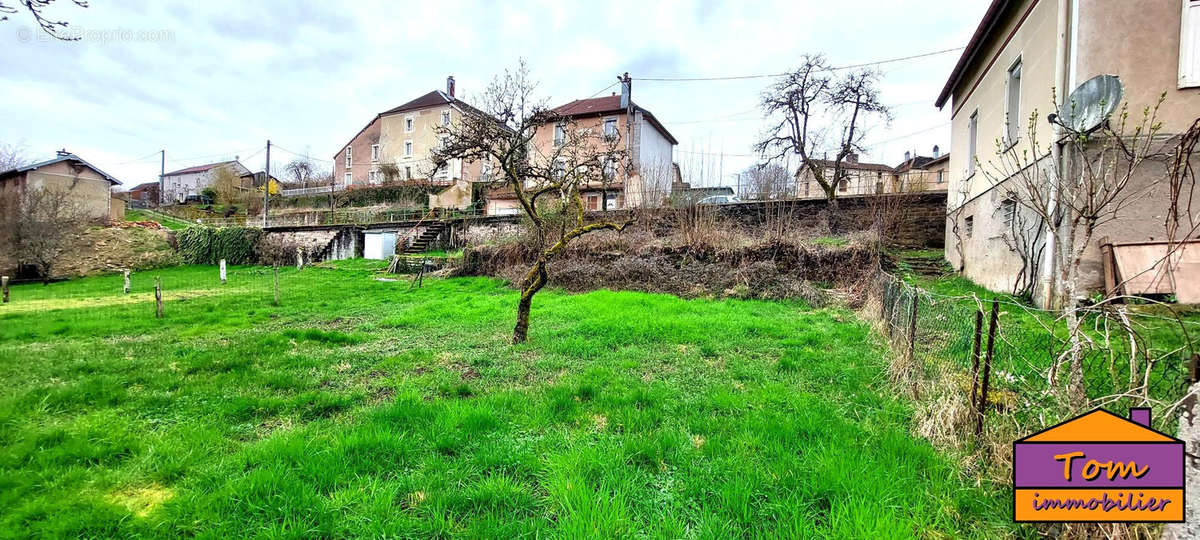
point(170, 222)
point(357, 407)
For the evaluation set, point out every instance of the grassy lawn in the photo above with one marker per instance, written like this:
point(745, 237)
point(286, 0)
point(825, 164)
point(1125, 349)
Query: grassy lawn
point(170, 222)
point(360, 408)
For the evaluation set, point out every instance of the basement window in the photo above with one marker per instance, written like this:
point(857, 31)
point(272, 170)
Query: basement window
point(969, 226)
point(1008, 211)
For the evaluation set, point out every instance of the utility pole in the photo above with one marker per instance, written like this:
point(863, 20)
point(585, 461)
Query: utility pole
point(267, 185)
point(162, 171)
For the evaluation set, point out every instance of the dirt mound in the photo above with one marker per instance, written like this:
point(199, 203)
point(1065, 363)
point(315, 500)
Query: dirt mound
point(107, 249)
point(769, 271)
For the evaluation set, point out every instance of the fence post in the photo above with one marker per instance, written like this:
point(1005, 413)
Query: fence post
point(299, 258)
point(4, 286)
point(975, 356)
point(158, 307)
point(276, 267)
point(222, 271)
point(987, 367)
point(912, 327)
point(126, 281)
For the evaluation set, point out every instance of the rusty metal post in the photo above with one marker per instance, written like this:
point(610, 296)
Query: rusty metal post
point(987, 368)
point(975, 357)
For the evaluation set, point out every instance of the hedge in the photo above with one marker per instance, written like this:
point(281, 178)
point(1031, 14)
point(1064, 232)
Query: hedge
point(208, 245)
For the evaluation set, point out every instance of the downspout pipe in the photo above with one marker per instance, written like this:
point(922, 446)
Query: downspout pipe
point(1062, 79)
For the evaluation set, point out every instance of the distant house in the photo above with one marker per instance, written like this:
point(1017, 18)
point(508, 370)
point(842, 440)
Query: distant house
point(397, 144)
point(254, 181)
point(143, 195)
point(1025, 56)
point(88, 186)
point(915, 174)
point(177, 186)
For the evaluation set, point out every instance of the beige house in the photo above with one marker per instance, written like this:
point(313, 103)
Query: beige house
point(647, 179)
point(405, 137)
point(915, 174)
point(1022, 51)
point(88, 186)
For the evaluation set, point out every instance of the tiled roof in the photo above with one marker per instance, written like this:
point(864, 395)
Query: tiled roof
point(608, 104)
point(198, 168)
point(61, 157)
point(854, 166)
point(432, 99)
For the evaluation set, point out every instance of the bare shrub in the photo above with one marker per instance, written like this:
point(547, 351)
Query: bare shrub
point(36, 224)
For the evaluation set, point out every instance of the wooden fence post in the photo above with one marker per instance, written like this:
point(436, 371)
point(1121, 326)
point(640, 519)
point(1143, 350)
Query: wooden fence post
point(276, 267)
point(158, 307)
point(126, 281)
point(222, 271)
point(299, 258)
point(987, 368)
point(4, 286)
point(975, 357)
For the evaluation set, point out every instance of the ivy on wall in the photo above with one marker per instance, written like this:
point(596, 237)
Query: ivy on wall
point(208, 245)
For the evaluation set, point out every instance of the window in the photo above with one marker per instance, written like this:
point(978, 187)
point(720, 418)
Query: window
point(843, 185)
point(560, 169)
point(374, 153)
point(972, 141)
point(610, 128)
point(444, 143)
point(560, 134)
point(373, 177)
point(408, 148)
point(445, 118)
point(348, 152)
point(941, 179)
point(593, 202)
point(1189, 45)
point(878, 188)
point(969, 226)
point(1008, 211)
point(610, 201)
point(408, 173)
point(1012, 104)
point(610, 169)
point(348, 179)
point(408, 124)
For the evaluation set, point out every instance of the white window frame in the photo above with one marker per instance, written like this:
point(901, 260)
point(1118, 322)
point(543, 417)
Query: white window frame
point(446, 117)
point(374, 153)
point(1189, 45)
point(349, 153)
point(972, 141)
point(347, 178)
point(409, 124)
point(1012, 118)
point(408, 148)
point(560, 129)
point(616, 128)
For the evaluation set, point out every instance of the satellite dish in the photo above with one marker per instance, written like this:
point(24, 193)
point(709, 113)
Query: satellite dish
point(1090, 105)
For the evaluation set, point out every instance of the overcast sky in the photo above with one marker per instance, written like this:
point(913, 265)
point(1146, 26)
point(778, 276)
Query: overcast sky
point(215, 79)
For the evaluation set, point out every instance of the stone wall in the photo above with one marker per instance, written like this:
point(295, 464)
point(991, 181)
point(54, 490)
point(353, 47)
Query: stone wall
point(918, 220)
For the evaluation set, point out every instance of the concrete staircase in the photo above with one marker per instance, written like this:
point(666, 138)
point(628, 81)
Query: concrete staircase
point(421, 243)
point(935, 266)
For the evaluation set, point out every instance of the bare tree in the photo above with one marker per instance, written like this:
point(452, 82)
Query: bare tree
point(815, 112)
point(35, 8)
point(300, 171)
point(35, 225)
point(545, 181)
point(13, 156)
point(765, 182)
point(1091, 187)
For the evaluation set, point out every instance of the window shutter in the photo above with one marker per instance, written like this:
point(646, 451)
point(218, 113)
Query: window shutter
point(1189, 45)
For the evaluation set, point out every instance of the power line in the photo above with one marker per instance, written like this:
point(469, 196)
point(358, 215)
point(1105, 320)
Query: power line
point(297, 154)
point(772, 75)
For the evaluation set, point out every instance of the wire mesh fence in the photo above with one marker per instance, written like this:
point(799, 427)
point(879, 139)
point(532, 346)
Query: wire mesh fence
point(1015, 362)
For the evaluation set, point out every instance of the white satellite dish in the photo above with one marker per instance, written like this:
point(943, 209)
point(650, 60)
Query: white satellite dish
point(1090, 105)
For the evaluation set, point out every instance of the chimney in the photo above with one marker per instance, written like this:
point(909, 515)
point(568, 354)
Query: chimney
point(1140, 416)
point(626, 90)
point(63, 153)
point(937, 152)
point(852, 158)
point(907, 156)
point(450, 86)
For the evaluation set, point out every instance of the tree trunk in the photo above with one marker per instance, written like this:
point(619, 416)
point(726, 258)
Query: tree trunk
point(833, 215)
point(534, 281)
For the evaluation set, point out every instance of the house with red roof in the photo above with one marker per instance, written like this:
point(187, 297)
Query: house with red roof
point(647, 179)
point(405, 137)
point(178, 185)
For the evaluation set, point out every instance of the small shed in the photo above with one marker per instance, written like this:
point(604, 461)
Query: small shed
point(379, 244)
